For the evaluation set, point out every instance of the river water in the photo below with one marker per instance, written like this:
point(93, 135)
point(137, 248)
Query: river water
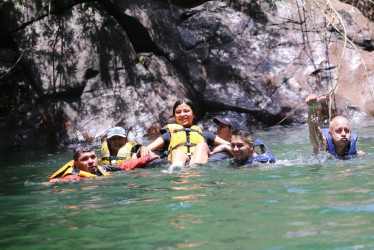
point(304, 201)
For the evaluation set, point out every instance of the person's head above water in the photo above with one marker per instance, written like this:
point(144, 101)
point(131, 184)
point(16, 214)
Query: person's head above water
point(116, 138)
point(184, 112)
point(340, 131)
point(225, 126)
point(85, 159)
point(242, 144)
point(338, 140)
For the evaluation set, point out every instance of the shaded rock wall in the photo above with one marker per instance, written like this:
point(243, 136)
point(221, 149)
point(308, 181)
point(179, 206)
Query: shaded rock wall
point(72, 69)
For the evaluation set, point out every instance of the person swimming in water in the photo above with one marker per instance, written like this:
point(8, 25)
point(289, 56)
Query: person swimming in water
point(224, 128)
point(338, 140)
point(116, 148)
point(243, 146)
point(85, 164)
point(185, 142)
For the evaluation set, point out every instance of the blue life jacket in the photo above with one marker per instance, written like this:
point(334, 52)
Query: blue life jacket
point(351, 149)
point(266, 157)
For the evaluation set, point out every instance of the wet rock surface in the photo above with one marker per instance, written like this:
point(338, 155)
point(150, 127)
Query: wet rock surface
point(72, 69)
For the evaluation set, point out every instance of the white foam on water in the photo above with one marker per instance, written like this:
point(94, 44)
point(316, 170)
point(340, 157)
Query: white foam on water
point(173, 169)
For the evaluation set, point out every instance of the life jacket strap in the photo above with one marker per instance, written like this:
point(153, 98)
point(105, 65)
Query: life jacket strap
point(187, 130)
point(188, 144)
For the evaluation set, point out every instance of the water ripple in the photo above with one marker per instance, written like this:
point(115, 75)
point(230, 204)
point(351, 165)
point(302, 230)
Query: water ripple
point(359, 208)
point(297, 190)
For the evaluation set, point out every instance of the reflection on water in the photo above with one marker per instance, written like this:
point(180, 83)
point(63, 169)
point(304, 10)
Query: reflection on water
point(303, 201)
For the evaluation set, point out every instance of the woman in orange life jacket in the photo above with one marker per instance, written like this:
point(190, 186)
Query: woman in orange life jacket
point(186, 143)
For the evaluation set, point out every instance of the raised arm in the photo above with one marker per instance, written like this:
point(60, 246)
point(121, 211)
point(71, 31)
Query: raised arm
point(315, 134)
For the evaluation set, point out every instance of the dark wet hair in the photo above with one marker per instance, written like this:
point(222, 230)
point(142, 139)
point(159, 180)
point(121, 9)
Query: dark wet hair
point(81, 149)
point(185, 101)
point(246, 134)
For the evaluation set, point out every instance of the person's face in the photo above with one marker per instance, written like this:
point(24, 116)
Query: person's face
point(184, 115)
point(116, 142)
point(87, 161)
point(341, 132)
point(224, 131)
point(241, 150)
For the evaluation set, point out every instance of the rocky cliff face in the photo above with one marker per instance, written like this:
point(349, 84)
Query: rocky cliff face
point(69, 69)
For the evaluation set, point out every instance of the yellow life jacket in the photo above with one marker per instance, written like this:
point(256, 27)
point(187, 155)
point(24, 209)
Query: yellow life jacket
point(183, 138)
point(124, 154)
point(69, 168)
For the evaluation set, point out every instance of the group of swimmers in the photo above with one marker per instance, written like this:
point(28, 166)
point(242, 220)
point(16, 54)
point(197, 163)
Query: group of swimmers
point(185, 144)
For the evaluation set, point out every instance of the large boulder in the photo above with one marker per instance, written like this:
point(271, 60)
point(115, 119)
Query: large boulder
point(72, 69)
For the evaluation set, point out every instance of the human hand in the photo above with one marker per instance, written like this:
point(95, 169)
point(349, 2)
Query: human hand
point(215, 151)
point(360, 152)
point(219, 149)
point(144, 150)
point(153, 156)
point(313, 99)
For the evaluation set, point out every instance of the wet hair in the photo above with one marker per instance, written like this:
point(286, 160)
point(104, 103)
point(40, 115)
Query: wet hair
point(81, 149)
point(246, 134)
point(184, 101)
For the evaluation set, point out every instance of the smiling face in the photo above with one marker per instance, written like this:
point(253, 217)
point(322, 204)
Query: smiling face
point(184, 115)
point(87, 161)
point(241, 149)
point(340, 131)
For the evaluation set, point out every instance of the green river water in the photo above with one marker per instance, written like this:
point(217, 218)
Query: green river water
point(304, 201)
